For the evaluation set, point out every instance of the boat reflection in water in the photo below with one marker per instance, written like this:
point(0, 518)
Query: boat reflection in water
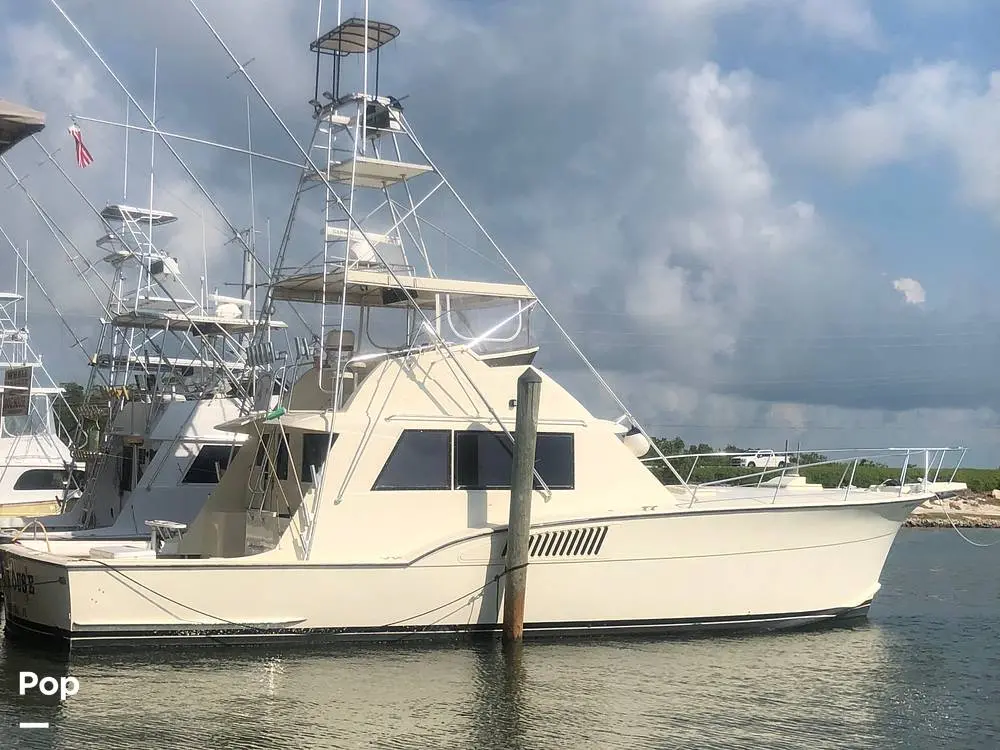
point(784, 690)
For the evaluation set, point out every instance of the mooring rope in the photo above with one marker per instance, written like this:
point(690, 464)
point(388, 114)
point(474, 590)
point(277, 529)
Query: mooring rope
point(959, 531)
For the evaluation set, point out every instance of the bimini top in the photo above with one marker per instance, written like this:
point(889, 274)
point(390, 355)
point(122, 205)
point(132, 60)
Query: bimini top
point(117, 212)
point(350, 37)
point(378, 288)
point(17, 122)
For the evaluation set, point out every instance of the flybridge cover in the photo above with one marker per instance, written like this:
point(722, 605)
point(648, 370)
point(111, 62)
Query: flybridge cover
point(376, 288)
point(117, 212)
point(350, 37)
point(17, 122)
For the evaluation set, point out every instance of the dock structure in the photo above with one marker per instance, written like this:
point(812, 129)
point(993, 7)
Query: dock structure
point(529, 386)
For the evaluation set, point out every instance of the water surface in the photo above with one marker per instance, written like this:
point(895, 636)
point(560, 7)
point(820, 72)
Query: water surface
point(924, 672)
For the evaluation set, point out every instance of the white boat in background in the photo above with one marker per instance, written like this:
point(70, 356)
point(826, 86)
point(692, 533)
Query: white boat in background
point(374, 503)
point(171, 368)
point(36, 465)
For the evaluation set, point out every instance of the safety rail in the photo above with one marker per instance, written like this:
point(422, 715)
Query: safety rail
point(933, 464)
point(33, 523)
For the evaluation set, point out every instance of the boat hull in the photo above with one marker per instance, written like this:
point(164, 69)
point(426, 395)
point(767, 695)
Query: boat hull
point(719, 570)
point(19, 629)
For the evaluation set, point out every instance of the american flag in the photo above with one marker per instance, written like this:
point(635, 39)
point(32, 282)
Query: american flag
point(83, 157)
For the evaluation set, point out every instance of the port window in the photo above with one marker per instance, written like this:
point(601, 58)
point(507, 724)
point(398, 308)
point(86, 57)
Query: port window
point(483, 460)
point(315, 447)
point(209, 465)
point(555, 460)
point(41, 479)
point(420, 460)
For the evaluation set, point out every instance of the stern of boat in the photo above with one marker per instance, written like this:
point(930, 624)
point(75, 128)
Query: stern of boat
point(36, 593)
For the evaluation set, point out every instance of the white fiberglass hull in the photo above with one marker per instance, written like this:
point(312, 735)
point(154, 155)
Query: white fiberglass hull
point(757, 568)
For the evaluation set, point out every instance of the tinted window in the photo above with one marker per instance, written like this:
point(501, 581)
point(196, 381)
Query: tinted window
point(554, 460)
point(483, 460)
point(421, 460)
point(203, 469)
point(314, 450)
point(40, 479)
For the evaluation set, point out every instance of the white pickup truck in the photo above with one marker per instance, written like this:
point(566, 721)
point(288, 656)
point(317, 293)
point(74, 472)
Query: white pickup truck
point(761, 460)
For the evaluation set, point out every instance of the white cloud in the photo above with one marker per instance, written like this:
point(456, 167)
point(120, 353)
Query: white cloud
point(843, 20)
point(707, 273)
point(942, 106)
point(911, 289)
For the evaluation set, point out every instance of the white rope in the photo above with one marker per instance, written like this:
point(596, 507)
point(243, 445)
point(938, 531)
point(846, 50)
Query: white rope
point(959, 531)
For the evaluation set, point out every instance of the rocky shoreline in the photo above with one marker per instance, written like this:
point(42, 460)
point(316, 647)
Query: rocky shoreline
point(975, 510)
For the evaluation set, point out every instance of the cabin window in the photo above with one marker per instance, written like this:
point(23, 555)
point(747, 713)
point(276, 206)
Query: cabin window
point(203, 469)
point(420, 460)
point(483, 460)
point(314, 450)
point(41, 479)
point(281, 460)
point(262, 449)
point(555, 460)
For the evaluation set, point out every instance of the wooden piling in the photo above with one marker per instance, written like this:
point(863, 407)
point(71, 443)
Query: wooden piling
point(529, 387)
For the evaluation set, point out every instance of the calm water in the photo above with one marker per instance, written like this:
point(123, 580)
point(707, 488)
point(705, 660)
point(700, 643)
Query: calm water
point(923, 673)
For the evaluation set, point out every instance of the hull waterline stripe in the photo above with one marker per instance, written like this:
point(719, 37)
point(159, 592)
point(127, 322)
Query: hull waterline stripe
point(111, 634)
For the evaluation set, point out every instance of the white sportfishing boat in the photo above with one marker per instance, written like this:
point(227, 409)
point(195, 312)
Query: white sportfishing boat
point(170, 368)
point(36, 466)
point(373, 504)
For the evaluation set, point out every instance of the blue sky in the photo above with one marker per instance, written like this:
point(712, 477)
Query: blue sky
point(763, 219)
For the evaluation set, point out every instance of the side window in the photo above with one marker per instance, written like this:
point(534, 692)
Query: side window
point(314, 450)
point(40, 479)
point(265, 437)
point(209, 465)
point(555, 460)
point(483, 460)
point(420, 460)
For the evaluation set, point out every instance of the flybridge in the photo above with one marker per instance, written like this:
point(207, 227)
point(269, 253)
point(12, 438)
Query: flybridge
point(382, 247)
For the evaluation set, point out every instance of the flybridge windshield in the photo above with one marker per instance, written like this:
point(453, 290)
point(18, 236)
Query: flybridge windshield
point(37, 422)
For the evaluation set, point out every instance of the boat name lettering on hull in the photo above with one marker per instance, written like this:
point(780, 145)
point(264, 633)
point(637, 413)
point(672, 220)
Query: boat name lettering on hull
point(17, 581)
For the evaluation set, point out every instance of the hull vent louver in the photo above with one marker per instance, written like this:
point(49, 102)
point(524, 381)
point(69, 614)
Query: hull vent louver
point(566, 543)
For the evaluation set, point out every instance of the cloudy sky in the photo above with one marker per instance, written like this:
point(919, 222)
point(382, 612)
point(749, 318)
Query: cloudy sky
point(762, 219)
